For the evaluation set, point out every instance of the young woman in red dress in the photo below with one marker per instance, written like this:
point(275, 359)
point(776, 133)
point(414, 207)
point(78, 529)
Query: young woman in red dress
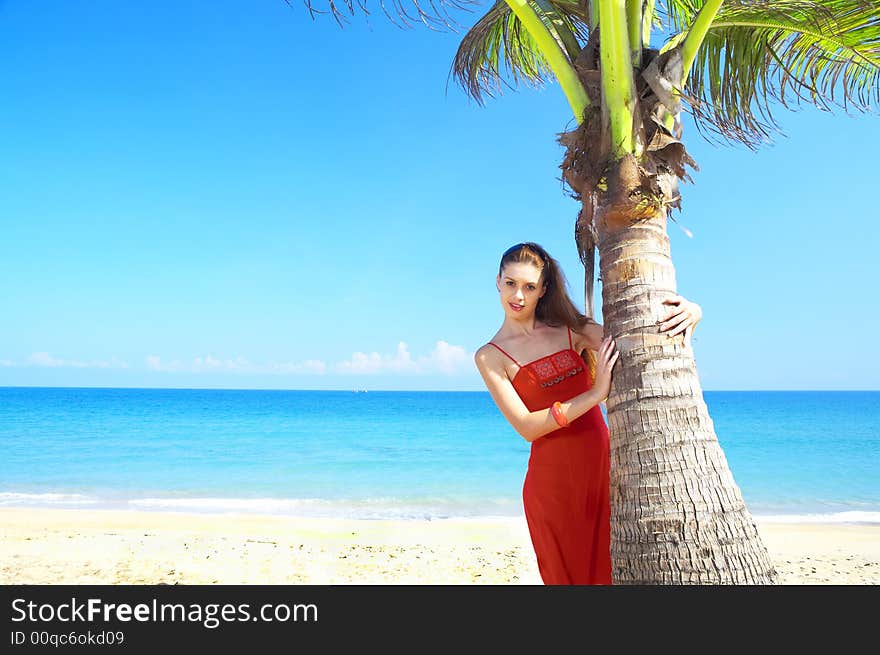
point(547, 368)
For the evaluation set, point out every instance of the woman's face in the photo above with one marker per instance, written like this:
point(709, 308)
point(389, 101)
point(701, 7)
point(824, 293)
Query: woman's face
point(520, 287)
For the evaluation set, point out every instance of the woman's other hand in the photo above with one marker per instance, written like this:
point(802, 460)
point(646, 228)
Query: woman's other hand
point(683, 317)
point(606, 357)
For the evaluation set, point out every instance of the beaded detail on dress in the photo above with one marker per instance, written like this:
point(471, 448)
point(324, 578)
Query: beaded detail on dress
point(555, 368)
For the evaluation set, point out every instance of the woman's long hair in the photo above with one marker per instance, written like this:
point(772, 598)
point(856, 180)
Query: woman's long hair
point(555, 307)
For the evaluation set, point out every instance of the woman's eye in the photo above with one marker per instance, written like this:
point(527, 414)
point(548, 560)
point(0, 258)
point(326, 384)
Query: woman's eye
point(531, 287)
point(508, 283)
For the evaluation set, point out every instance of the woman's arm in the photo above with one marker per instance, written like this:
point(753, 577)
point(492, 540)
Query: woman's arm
point(533, 425)
point(683, 316)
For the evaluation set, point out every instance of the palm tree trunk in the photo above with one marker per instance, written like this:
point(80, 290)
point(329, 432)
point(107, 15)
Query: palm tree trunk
point(677, 516)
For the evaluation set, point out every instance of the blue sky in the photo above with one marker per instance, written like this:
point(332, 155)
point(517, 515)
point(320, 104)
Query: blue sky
point(229, 194)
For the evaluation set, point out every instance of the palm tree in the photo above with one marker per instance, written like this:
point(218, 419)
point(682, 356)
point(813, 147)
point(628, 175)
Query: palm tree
point(678, 517)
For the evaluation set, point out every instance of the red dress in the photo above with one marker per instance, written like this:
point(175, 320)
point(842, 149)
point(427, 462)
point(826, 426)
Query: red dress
point(566, 489)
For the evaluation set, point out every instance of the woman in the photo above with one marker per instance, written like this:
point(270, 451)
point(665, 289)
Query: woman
point(535, 371)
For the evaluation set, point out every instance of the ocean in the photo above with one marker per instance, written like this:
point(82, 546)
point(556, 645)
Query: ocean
point(797, 456)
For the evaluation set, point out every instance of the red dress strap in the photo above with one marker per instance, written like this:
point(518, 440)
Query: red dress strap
point(569, 338)
point(505, 352)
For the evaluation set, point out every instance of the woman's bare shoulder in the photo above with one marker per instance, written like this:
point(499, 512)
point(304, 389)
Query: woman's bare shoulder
point(491, 364)
point(485, 354)
point(492, 347)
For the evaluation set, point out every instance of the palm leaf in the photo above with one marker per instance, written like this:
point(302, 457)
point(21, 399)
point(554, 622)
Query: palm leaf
point(757, 52)
point(432, 13)
point(499, 41)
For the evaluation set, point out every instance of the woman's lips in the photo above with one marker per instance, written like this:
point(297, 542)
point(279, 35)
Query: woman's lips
point(514, 307)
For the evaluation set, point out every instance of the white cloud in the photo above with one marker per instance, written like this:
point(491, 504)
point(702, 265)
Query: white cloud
point(210, 364)
point(199, 365)
point(308, 366)
point(444, 358)
point(154, 363)
point(360, 362)
point(45, 360)
point(315, 366)
point(7, 362)
point(450, 359)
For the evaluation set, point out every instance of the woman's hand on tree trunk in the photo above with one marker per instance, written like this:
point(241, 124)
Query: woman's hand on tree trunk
point(606, 357)
point(682, 318)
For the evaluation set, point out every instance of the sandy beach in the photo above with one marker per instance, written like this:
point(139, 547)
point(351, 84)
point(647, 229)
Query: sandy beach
point(131, 547)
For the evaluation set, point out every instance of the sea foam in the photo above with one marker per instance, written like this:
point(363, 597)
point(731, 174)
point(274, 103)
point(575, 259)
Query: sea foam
point(836, 517)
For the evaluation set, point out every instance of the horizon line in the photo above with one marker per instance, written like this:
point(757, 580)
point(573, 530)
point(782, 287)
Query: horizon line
point(364, 390)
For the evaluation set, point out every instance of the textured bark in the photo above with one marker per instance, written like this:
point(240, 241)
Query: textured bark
point(677, 515)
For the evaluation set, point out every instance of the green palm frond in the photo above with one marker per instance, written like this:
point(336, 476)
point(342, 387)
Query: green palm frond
point(679, 13)
point(757, 52)
point(432, 13)
point(499, 40)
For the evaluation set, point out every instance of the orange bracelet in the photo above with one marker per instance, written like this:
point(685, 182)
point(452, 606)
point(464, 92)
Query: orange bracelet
point(556, 410)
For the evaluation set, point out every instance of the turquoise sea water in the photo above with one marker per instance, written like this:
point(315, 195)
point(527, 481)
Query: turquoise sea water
point(796, 455)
